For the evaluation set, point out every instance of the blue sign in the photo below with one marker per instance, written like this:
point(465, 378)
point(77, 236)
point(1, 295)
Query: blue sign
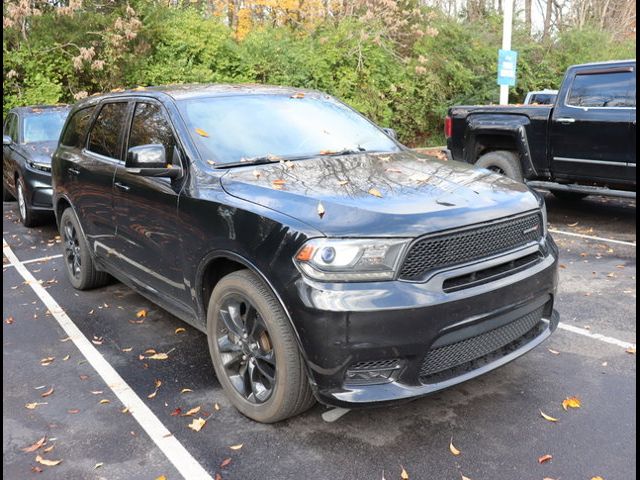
point(507, 61)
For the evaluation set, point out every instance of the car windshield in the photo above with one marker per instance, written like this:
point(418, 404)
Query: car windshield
point(246, 128)
point(44, 126)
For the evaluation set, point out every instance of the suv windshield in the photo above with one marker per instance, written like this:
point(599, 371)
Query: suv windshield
point(44, 126)
point(245, 128)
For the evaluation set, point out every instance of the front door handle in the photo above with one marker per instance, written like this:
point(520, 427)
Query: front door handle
point(566, 120)
point(122, 186)
point(73, 171)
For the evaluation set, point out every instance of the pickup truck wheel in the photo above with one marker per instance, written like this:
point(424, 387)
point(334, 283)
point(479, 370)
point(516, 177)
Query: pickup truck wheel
point(568, 196)
point(80, 268)
point(503, 162)
point(254, 350)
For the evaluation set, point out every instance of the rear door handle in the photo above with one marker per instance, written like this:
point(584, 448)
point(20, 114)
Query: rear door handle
point(122, 186)
point(567, 120)
point(73, 171)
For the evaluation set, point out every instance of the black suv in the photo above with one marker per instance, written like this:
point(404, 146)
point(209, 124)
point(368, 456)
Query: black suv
point(323, 259)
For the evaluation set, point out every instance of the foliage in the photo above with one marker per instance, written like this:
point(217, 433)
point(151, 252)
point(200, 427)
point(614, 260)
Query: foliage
point(400, 64)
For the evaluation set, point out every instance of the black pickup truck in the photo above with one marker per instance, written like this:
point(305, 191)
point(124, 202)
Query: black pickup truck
point(584, 144)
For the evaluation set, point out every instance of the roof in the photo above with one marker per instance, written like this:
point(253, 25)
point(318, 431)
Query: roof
point(185, 91)
point(609, 63)
point(39, 108)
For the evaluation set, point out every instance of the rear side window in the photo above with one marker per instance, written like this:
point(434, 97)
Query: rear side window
point(11, 126)
point(104, 138)
point(602, 90)
point(76, 130)
point(149, 126)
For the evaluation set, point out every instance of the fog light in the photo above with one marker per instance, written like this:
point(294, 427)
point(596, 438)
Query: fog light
point(372, 373)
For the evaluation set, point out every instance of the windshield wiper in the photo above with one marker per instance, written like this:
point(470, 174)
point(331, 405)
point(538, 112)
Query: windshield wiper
point(252, 161)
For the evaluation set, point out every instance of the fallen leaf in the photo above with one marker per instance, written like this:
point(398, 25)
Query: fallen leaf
point(157, 383)
point(547, 417)
point(555, 352)
point(320, 209)
point(66, 357)
point(403, 474)
point(186, 390)
point(197, 424)
point(453, 449)
point(48, 449)
point(631, 350)
point(141, 313)
point(137, 322)
point(139, 88)
point(73, 411)
point(47, 393)
point(298, 95)
point(125, 410)
point(36, 469)
point(180, 330)
point(176, 412)
point(128, 349)
point(278, 181)
point(342, 183)
point(545, 458)
point(149, 351)
point(572, 224)
point(236, 447)
point(47, 361)
point(202, 132)
point(161, 477)
point(104, 401)
point(158, 356)
point(193, 411)
point(48, 463)
point(462, 477)
point(256, 173)
point(225, 462)
point(84, 377)
point(116, 90)
point(153, 394)
point(97, 392)
point(98, 465)
point(393, 170)
point(35, 446)
point(597, 478)
point(571, 402)
point(9, 320)
point(375, 192)
point(34, 405)
point(216, 407)
point(97, 341)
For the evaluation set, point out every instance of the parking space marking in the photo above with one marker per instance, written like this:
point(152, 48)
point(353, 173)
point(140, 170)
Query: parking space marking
point(36, 260)
point(175, 452)
point(596, 336)
point(591, 237)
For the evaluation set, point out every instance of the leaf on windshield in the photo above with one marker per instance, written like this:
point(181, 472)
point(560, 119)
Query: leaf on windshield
point(342, 183)
point(327, 152)
point(321, 210)
point(375, 192)
point(202, 132)
point(278, 183)
point(256, 173)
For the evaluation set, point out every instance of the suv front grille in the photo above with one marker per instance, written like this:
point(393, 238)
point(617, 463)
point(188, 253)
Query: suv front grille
point(462, 246)
point(488, 345)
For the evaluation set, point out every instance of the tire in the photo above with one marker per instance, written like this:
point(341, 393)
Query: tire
point(568, 196)
point(28, 216)
point(290, 392)
point(83, 275)
point(504, 162)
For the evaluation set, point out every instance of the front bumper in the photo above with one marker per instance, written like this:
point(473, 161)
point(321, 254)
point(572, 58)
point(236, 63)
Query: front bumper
point(39, 192)
point(345, 326)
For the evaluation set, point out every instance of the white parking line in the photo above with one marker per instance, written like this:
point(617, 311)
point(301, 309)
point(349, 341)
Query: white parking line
point(36, 260)
point(596, 336)
point(161, 436)
point(590, 237)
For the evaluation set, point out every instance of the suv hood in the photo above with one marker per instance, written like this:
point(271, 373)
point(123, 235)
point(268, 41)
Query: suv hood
point(404, 194)
point(40, 151)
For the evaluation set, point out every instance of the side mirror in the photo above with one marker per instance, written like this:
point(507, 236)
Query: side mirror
point(391, 132)
point(6, 140)
point(150, 161)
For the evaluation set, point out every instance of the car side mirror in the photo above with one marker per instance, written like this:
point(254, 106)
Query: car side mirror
point(150, 161)
point(391, 132)
point(6, 140)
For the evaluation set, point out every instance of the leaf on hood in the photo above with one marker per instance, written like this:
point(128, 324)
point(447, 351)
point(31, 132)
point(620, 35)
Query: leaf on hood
point(403, 474)
point(48, 463)
point(320, 209)
point(202, 132)
point(375, 192)
point(547, 417)
point(279, 181)
point(393, 170)
point(571, 402)
point(158, 356)
point(193, 411)
point(236, 447)
point(141, 313)
point(453, 449)
point(545, 458)
point(179, 330)
point(47, 361)
point(47, 393)
point(197, 424)
point(225, 462)
point(35, 446)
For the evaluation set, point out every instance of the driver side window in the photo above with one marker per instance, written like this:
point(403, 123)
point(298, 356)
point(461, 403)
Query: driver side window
point(149, 126)
point(11, 127)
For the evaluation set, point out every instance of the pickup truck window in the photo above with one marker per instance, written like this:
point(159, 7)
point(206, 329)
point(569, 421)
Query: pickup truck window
point(602, 90)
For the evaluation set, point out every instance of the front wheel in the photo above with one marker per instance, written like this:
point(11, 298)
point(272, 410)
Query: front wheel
point(254, 350)
point(28, 216)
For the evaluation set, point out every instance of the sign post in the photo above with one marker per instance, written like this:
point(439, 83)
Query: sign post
point(507, 58)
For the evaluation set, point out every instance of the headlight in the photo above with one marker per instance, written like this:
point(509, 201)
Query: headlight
point(341, 260)
point(44, 167)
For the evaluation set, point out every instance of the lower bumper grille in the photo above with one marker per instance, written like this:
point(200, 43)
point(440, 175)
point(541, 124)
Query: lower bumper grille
point(471, 353)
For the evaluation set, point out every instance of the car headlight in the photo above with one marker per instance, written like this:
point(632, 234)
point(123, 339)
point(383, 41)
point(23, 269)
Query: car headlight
point(342, 260)
point(44, 167)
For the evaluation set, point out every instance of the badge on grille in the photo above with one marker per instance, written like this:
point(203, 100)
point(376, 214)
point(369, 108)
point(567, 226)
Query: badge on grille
point(532, 229)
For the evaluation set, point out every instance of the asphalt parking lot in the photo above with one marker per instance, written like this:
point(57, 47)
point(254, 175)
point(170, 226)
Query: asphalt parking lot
point(494, 421)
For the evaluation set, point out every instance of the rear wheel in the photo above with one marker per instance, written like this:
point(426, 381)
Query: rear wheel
point(80, 268)
point(503, 162)
point(254, 350)
point(568, 196)
point(28, 216)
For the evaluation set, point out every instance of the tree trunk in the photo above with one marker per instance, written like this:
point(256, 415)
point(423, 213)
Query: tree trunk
point(547, 19)
point(527, 15)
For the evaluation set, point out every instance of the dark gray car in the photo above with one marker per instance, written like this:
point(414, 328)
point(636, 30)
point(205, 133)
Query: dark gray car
point(30, 136)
